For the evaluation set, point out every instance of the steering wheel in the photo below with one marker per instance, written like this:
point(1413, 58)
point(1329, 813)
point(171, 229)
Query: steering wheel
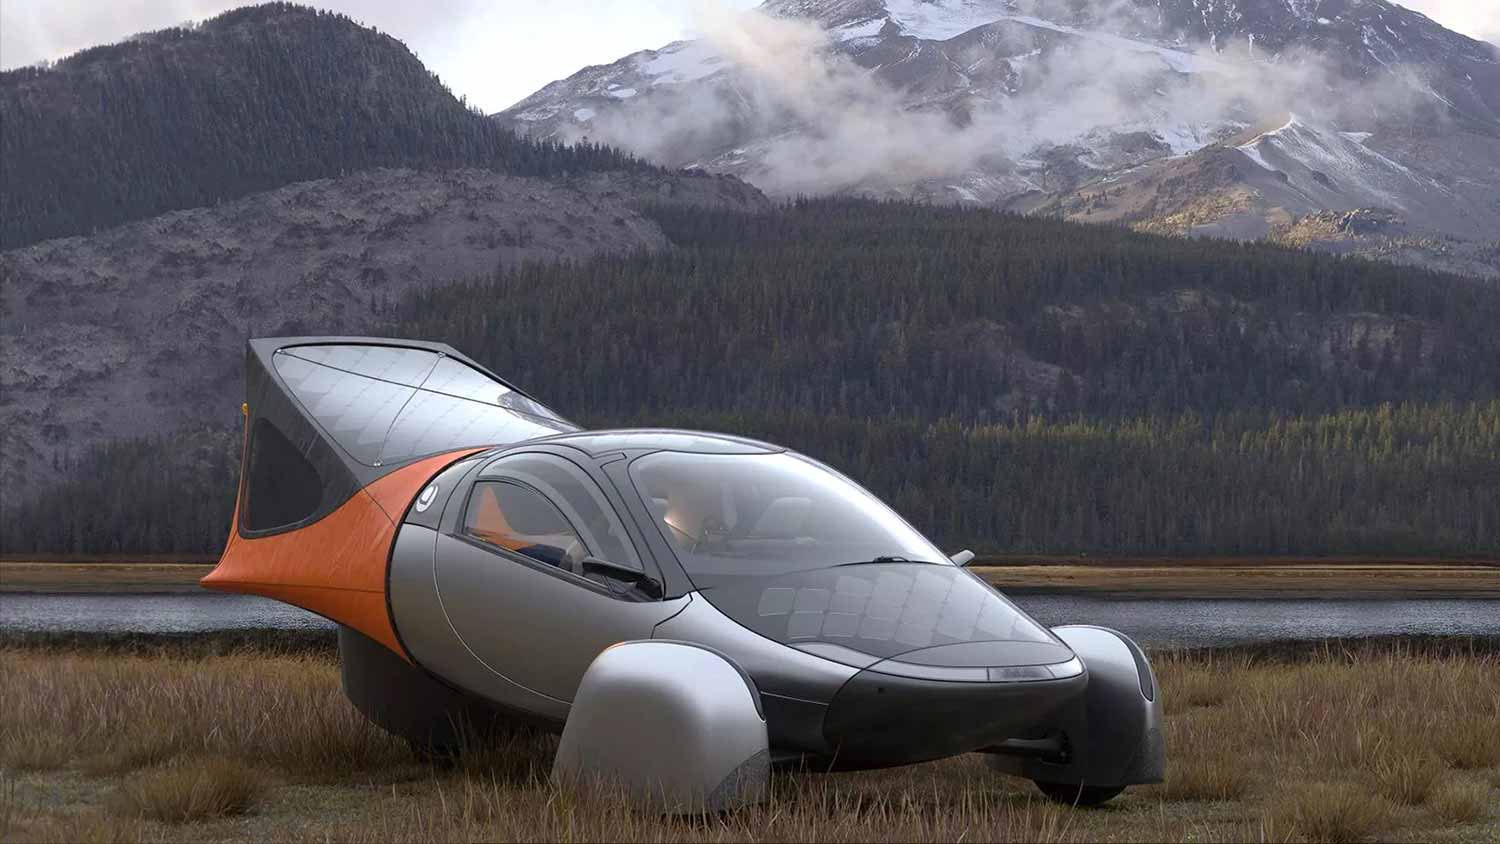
point(715, 533)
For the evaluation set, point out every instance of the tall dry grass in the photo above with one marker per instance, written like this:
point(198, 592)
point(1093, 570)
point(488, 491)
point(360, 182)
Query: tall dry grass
point(1463, 801)
point(188, 790)
point(1335, 812)
point(108, 714)
point(1339, 744)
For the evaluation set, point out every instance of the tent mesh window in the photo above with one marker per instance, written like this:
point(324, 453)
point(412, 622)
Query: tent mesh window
point(283, 486)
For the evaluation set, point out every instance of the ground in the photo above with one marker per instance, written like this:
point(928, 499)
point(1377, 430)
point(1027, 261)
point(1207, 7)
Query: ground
point(186, 740)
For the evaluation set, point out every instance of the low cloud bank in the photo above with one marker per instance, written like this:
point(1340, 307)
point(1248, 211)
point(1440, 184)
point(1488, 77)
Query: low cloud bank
point(816, 121)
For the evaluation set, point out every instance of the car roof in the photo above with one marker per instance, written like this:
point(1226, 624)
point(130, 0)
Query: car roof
point(596, 443)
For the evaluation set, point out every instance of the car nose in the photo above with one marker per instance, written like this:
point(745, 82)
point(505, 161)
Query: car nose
point(990, 661)
point(949, 699)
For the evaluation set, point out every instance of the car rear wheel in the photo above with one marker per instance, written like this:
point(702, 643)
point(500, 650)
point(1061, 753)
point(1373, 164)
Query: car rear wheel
point(1079, 795)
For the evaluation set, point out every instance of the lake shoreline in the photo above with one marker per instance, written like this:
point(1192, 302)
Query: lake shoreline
point(1126, 578)
point(324, 641)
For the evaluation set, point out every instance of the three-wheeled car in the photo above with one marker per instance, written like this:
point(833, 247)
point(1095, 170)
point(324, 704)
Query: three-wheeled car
point(687, 609)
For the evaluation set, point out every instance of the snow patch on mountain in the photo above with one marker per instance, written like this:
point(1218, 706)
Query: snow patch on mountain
point(1252, 148)
point(964, 193)
point(859, 30)
point(1317, 157)
point(941, 20)
point(683, 61)
point(1187, 138)
point(1019, 102)
point(1177, 60)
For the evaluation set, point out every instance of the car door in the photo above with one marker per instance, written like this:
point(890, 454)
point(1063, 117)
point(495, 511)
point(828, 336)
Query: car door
point(510, 575)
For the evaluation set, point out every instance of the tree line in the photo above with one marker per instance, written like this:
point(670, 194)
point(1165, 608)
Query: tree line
point(1420, 479)
point(1011, 384)
point(1409, 479)
point(865, 309)
point(172, 493)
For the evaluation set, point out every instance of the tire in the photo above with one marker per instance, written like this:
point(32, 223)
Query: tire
point(1086, 796)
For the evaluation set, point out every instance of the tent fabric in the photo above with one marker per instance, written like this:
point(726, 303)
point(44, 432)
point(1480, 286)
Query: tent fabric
point(341, 434)
point(335, 567)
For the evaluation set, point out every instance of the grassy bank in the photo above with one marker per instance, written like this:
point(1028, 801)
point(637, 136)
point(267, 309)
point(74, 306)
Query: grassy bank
point(1225, 577)
point(100, 576)
point(1392, 740)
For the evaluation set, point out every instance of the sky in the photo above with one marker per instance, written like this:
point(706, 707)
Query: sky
point(490, 53)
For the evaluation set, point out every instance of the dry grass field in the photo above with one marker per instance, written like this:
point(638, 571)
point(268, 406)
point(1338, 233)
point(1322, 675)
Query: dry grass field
point(187, 743)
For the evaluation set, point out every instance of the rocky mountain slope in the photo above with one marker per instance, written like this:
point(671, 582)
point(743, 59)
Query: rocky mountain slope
point(140, 330)
point(273, 170)
point(1240, 118)
point(884, 338)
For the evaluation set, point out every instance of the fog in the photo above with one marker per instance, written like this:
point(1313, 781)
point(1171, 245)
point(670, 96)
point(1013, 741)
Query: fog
point(816, 121)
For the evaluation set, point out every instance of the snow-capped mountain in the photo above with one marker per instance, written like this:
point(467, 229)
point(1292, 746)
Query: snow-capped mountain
point(1232, 117)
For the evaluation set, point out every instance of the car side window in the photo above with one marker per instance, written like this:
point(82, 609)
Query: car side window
point(576, 495)
point(519, 519)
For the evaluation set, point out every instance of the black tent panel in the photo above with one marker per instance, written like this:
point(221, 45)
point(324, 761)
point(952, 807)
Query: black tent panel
point(284, 487)
point(286, 451)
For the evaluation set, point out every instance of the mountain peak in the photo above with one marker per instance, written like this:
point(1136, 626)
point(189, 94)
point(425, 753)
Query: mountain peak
point(1383, 29)
point(1024, 104)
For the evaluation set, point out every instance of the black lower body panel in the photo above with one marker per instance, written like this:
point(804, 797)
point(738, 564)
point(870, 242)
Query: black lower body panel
point(881, 720)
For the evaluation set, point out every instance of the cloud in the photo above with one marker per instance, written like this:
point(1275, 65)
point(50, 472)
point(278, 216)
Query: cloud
point(495, 53)
point(812, 120)
point(45, 30)
point(1475, 18)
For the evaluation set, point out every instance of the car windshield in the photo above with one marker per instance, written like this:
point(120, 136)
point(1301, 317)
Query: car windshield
point(736, 515)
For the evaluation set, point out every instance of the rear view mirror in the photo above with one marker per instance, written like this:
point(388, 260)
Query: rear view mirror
point(962, 558)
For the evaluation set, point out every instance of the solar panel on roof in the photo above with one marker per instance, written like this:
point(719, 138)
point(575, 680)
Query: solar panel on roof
point(385, 404)
point(387, 363)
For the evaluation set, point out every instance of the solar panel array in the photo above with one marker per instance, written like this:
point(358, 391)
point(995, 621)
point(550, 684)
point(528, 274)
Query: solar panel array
point(387, 404)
